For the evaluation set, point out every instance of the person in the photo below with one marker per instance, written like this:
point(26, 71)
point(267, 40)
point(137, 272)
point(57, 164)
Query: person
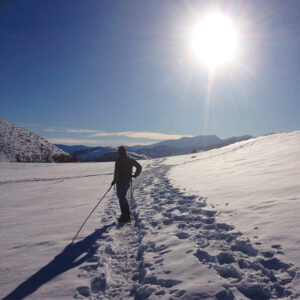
point(122, 178)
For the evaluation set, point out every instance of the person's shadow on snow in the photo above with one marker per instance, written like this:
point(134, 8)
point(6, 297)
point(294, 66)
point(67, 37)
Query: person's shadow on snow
point(63, 262)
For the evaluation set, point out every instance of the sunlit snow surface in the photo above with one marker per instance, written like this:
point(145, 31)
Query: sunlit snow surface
point(214, 225)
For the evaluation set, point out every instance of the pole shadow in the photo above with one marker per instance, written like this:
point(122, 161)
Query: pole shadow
point(68, 259)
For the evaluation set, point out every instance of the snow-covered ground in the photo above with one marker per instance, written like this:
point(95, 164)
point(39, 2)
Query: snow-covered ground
point(253, 185)
point(222, 224)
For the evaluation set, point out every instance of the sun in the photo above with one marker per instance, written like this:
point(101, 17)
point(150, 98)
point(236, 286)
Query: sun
point(214, 40)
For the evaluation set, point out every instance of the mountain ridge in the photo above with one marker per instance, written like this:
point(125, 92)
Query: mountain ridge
point(96, 154)
point(165, 148)
point(18, 144)
point(21, 145)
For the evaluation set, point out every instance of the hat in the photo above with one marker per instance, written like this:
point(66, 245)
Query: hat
point(122, 150)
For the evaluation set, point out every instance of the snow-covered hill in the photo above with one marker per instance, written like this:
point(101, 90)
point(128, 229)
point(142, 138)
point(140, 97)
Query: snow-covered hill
point(19, 144)
point(222, 224)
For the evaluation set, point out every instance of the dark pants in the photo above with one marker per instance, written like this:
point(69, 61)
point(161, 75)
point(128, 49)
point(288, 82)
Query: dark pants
point(122, 188)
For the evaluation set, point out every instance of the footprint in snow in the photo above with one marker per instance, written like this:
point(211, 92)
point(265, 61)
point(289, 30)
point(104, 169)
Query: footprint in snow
point(182, 235)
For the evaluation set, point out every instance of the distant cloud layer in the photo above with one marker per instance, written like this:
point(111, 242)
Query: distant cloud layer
point(92, 142)
point(66, 141)
point(26, 125)
point(128, 134)
point(65, 130)
point(140, 135)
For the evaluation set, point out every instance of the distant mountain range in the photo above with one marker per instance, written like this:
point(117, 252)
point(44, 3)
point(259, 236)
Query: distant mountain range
point(88, 154)
point(184, 145)
point(20, 145)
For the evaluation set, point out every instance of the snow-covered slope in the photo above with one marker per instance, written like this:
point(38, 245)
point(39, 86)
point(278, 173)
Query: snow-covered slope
point(255, 184)
point(19, 144)
point(222, 224)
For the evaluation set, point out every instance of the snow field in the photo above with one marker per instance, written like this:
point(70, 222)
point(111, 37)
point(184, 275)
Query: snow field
point(41, 208)
point(254, 186)
point(177, 248)
point(188, 238)
point(240, 269)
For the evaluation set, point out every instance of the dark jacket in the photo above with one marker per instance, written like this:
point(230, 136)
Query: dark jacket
point(123, 168)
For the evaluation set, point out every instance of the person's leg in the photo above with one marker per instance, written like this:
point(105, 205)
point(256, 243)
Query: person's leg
point(121, 193)
point(127, 212)
point(122, 188)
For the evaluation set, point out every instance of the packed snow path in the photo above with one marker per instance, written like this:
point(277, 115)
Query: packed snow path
point(175, 248)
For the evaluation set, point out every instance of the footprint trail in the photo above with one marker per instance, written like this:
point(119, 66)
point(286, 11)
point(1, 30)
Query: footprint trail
point(175, 248)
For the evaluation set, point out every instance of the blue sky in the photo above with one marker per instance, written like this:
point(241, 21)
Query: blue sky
point(120, 72)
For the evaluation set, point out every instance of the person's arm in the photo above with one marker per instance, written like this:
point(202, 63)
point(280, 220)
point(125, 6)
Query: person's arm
point(138, 168)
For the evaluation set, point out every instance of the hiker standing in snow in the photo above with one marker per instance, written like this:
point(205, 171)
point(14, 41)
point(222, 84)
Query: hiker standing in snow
point(122, 178)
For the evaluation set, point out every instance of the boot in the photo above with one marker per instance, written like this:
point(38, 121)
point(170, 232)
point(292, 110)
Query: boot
point(123, 218)
point(127, 213)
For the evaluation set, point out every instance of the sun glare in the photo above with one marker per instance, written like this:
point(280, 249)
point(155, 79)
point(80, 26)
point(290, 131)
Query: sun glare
point(214, 40)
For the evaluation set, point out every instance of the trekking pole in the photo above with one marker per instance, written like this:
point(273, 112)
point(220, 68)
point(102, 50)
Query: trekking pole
point(90, 214)
point(131, 193)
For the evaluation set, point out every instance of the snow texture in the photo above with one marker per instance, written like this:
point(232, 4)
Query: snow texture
point(19, 144)
point(184, 242)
